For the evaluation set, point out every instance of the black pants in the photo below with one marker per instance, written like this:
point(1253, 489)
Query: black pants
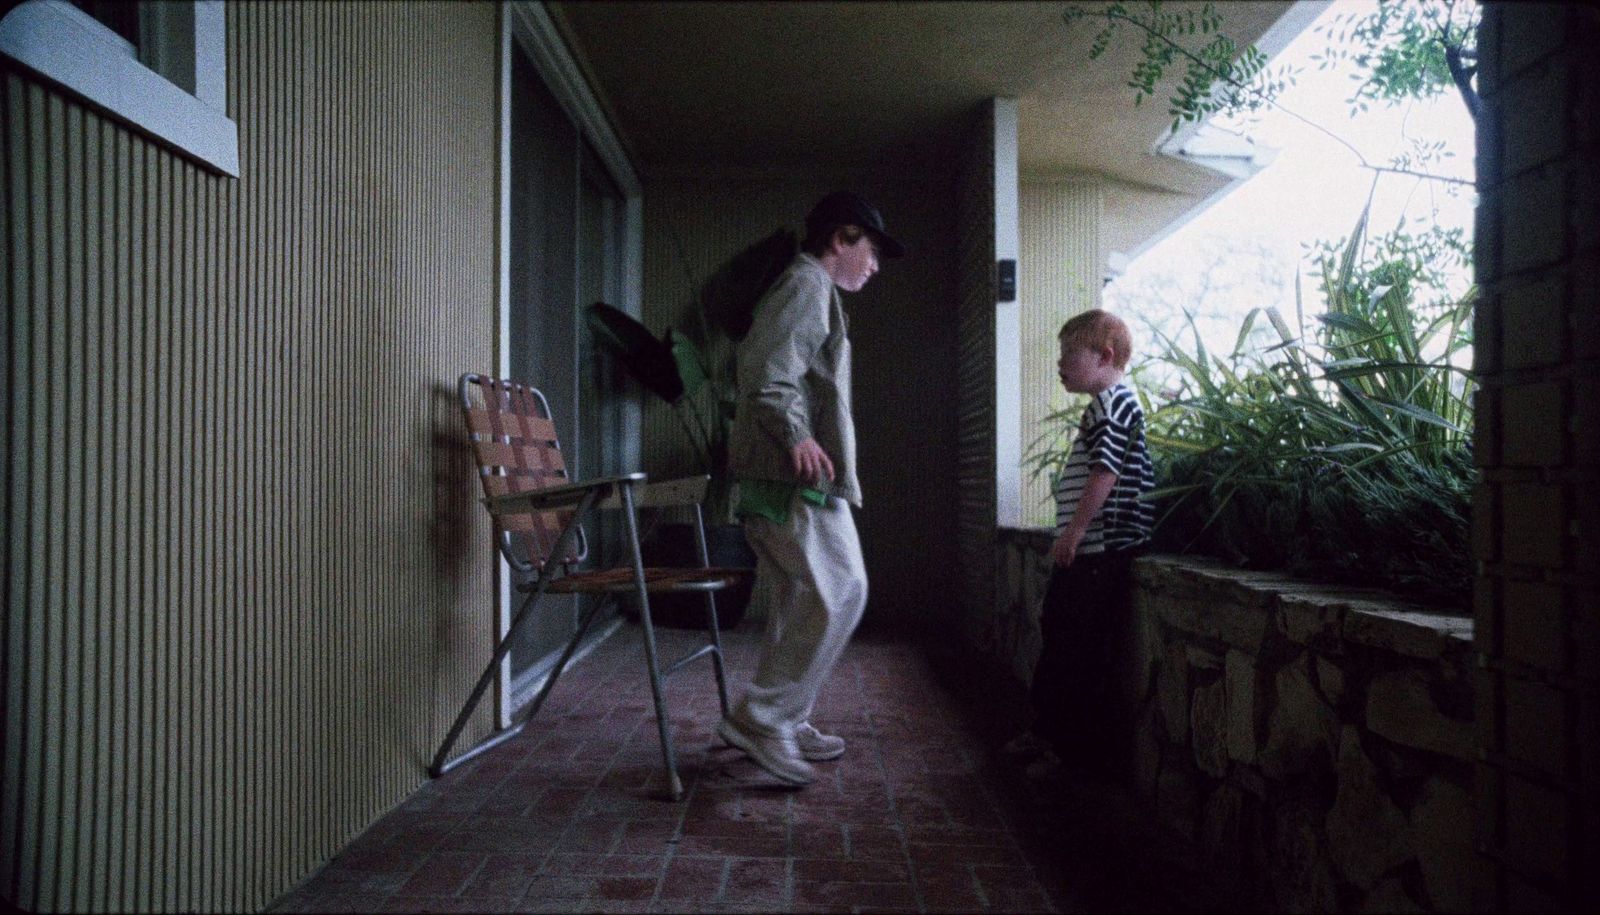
point(1087, 627)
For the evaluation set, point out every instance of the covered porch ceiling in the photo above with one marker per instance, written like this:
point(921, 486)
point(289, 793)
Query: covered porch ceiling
point(858, 85)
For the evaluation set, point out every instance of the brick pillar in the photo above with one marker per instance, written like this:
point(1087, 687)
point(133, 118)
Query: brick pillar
point(1537, 509)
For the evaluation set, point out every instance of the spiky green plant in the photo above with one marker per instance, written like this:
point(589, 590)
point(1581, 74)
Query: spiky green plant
point(1344, 455)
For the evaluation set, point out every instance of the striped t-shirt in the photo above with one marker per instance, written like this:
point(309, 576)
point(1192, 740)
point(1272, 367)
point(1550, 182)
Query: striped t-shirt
point(1110, 435)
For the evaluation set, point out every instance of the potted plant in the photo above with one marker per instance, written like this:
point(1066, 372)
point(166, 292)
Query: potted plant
point(691, 367)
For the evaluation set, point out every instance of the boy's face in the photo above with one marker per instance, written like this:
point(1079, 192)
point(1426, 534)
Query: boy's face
point(1083, 370)
point(855, 264)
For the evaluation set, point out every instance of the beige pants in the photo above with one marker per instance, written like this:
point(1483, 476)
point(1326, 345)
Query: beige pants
point(815, 585)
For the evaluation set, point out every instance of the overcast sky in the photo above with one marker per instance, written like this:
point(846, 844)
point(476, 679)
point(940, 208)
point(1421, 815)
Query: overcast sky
point(1315, 188)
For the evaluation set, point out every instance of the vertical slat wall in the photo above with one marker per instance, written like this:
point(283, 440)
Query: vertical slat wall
point(246, 585)
point(1058, 277)
point(975, 398)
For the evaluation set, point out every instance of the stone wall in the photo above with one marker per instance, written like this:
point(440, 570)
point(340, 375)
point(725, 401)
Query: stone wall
point(1315, 741)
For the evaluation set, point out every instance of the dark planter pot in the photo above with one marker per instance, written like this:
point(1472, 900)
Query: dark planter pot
point(673, 545)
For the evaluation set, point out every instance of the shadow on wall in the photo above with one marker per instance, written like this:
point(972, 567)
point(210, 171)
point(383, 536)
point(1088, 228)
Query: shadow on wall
point(455, 488)
point(459, 630)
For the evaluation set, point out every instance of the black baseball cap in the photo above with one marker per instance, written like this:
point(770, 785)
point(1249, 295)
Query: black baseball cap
point(842, 208)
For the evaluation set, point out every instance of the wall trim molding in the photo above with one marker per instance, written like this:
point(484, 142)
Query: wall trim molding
point(71, 49)
point(539, 36)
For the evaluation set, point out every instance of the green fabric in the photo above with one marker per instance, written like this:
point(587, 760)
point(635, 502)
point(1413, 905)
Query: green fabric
point(770, 499)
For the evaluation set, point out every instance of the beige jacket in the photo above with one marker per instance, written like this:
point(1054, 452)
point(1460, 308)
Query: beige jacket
point(794, 382)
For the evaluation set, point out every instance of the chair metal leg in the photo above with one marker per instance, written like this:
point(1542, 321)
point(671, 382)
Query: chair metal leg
point(663, 724)
point(711, 612)
point(438, 766)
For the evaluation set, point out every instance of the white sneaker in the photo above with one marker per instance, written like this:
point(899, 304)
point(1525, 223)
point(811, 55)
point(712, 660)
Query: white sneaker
point(817, 746)
point(778, 755)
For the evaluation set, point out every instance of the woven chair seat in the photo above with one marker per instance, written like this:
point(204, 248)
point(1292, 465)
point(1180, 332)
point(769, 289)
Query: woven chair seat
point(536, 507)
point(615, 581)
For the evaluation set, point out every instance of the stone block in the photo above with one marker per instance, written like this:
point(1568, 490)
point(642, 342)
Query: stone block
point(1488, 615)
point(1368, 835)
point(1584, 279)
point(1011, 585)
point(1586, 636)
point(1490, 726)
point(1307, 617)
point(1487, 266)
point(1485, 519)
point(1207, 725)
point(1177, 800)
point(1583, 426)
point(1486, 357)
point(1441, 822)
point(1301, 728)
point(1426, 636)
point(1142, 663)
point(1486, 427)
point(1534, 524)
point(1177, 612)
point(1202, 658)
point(1538, 821)
point(1533, 425)
point(1243, 689)
point(1297, 862)
point(1172, 690)
point(1524, 896)
point(1536, 726)
point(1147, 750)
point(1206, 598)
point(1488, 886)
point(1583, 213)
point(1331, 679)
point(1401, 708)
point(1584, 530)
point(1389, 896)
point(1535, 624)
point(1528, 34)
point(1534, 317)
point(1488, 786)
point(1221, 825)
point(1242, 626)
point(1542, 97)
point(1535, 235)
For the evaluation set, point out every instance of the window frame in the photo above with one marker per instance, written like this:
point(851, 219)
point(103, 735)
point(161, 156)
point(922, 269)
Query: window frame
point(66, 46)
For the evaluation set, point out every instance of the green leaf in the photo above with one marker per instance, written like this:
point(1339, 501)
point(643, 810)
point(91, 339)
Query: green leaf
point(691, 368)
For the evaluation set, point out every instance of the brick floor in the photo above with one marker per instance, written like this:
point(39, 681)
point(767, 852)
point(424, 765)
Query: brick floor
point(921, 814)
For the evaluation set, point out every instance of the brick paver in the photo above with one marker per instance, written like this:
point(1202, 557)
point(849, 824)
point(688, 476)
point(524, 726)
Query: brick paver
point(919, 816)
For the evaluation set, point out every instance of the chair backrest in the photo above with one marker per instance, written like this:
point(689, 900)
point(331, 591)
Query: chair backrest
point(514, 440)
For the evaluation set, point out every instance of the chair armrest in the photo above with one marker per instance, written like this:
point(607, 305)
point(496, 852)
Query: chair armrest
point(666, 493)
point(538, 500)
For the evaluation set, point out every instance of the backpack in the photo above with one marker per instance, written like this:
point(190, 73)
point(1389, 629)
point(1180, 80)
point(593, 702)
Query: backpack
point(730, 296)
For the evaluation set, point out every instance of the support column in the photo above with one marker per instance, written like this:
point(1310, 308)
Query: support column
point(1536, 510)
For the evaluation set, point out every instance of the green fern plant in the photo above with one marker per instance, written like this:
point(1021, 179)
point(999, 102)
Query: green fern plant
point(1344, 453)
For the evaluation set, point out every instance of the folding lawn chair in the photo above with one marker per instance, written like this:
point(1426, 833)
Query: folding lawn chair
point(537, 511)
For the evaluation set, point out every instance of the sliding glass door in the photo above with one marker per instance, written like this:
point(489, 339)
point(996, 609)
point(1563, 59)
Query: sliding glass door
point(565, 252)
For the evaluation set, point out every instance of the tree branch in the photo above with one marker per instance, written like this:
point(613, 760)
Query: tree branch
point(1431, 177)
point(1472, 104)
point(1226, 78)
point(1462, 75)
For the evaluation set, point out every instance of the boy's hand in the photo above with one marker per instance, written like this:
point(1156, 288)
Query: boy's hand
point(1065, 549)
point(810, 462)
